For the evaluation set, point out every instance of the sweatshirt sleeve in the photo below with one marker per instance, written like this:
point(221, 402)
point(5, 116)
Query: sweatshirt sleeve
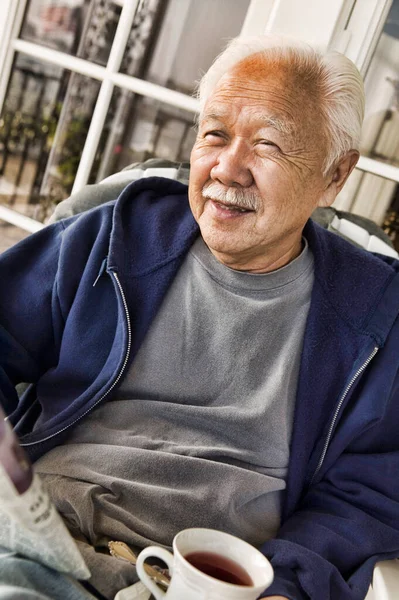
point(346, 522)
point(30, 315)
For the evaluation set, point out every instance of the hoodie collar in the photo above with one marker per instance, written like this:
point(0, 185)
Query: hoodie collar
point(153, 225)
point(362, 287)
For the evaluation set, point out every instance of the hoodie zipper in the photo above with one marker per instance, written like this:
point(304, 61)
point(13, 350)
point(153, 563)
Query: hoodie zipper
point(337, 410)
point(129, 343)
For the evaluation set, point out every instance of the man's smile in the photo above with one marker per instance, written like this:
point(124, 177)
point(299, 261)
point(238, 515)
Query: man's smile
point(227, 211)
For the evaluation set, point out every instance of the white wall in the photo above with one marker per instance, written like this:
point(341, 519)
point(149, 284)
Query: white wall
point(199, 30)
point(314, 21)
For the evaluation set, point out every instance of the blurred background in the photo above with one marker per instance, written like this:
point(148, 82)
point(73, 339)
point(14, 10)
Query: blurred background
point(88, 87)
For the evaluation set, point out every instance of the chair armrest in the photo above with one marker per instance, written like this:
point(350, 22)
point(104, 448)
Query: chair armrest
point(385, 584)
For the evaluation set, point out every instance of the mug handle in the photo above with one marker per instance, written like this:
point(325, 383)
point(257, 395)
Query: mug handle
point(141, 572)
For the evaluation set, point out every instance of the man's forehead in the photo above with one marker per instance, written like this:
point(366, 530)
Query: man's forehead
point(261, 67)
point(269, 88)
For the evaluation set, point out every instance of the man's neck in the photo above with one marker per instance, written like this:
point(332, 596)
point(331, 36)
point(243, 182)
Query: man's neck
point(260, 264)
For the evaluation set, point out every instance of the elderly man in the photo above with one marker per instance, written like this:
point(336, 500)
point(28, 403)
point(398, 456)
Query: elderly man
point(230, 366)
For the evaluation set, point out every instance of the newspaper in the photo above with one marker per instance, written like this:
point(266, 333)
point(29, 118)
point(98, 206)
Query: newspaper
point(29, 522)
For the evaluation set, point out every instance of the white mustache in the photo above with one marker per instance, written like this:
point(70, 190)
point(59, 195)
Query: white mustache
point(241, 198)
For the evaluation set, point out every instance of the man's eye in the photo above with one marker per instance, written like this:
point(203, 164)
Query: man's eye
point(213, 134)
point(269, 144)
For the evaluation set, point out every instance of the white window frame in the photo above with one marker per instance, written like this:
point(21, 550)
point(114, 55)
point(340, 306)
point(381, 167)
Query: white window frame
point(109, 77)
point(358, 41)
point(314, 21)
point(11, 15)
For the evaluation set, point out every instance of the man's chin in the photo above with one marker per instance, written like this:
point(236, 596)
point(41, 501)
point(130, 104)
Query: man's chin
point(219, 244)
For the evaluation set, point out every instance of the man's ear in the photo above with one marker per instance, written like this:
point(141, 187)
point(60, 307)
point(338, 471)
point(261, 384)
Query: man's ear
point(337, 177)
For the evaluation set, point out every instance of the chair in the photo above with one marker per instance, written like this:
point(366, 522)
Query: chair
point(385, 584)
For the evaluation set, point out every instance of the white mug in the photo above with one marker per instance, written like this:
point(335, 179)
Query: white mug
point(190, 583)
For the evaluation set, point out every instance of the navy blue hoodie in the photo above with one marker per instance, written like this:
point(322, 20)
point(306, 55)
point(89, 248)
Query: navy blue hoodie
point(77, 299)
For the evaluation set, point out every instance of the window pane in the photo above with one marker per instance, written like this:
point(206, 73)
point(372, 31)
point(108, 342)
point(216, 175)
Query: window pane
point(381, 124)
point(84, 28)
point(366, 194)
point(139, 128)
point(173, 43)
point(391, 221)
point(43, 127)
point(10, 235)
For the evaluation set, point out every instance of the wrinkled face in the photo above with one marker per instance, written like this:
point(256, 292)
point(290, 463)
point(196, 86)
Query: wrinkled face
point(256, 166)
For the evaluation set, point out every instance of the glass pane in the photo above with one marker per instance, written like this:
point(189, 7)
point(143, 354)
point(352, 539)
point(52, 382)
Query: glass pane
point(84, 28)
point(43, 128)
point(139, 128)
point(366, 194)
point(10, 235)
point(391, 221)
point(173, 43)
point(381, 124)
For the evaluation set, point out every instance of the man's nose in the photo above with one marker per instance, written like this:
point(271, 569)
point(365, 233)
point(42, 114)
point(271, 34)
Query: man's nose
point(232, 167)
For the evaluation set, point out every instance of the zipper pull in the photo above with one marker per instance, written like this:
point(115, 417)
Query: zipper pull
point(102, 270)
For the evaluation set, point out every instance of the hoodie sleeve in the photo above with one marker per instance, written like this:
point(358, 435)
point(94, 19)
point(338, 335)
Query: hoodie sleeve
point(347, 521)
point(30, 315)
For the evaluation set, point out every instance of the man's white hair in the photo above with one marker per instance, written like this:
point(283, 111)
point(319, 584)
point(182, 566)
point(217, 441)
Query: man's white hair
point(332, 74)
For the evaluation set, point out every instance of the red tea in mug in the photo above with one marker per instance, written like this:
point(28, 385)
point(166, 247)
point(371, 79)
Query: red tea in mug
point(219, 567)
